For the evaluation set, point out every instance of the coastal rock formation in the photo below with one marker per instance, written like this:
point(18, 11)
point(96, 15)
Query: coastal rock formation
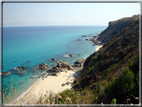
point(54, 74)
point(52, 59)
point(60, 67)
point(114, 28)
point(84, 35)
point(70, 67)
point(71, 55)
point(42, 67)
point(20, 68)
point(95, 41)
point(58, 64)
point(79, 63)
point(64, 64)
point(6, 73)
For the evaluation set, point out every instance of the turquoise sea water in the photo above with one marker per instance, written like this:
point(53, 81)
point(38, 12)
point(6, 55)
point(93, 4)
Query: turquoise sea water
point(30, 46)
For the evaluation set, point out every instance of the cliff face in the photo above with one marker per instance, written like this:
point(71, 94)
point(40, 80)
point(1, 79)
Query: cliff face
point(115, 27)
point(113, 70)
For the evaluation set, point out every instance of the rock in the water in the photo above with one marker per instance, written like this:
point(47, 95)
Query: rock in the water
point(28, 61)
point(52, 59)
point(6, 73)
point(84, 35)
point(71, 55)
point(20, 67)
point(42, 67)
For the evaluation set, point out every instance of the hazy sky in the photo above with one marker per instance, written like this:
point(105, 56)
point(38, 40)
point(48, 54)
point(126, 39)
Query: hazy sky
point(50, 14)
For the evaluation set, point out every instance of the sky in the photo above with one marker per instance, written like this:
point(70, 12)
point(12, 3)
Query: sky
point(65, 14)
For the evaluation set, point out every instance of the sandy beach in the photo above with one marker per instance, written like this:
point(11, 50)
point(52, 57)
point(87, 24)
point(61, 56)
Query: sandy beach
point(52, 84)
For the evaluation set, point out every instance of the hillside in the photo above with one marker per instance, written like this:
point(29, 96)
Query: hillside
point(110, 75)
point(114, 69)
point(114, 28)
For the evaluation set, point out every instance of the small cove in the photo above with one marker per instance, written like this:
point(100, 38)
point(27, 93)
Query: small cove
point(30, 46)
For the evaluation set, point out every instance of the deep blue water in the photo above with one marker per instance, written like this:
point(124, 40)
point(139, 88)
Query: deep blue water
point(30, 46)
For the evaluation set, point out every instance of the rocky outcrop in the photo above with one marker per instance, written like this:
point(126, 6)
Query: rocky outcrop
point(20, 68)
point(95, 41)
point(58, 64)
point(70, 67)
point(114, 27)
point(79, 63)
point(64, 64)
point(60, 67)
point(71, 55)
point(6, 73)
point(52, 59)
point(84, 35)
point(42, 67)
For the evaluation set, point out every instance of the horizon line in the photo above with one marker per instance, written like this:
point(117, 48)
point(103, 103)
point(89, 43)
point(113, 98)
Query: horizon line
point(53, 25)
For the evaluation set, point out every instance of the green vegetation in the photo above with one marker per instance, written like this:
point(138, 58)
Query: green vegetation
point(110, 75)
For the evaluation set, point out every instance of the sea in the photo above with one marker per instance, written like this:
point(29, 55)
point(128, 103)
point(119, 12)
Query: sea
point(32, 45)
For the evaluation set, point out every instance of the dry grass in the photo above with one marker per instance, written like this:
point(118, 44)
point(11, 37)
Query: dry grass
point(7, 99)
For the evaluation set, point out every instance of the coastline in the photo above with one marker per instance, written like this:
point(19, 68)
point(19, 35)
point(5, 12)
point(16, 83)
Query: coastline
point(32, 95)
point(52, 84)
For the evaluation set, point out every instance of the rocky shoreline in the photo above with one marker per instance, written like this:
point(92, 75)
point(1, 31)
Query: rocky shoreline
point(60, 67)
point(63, 67)
point(93, 39)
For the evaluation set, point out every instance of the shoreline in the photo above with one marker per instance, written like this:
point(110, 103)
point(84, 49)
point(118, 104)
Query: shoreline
point(24, 96)
point(24, 93)
point(41, 86)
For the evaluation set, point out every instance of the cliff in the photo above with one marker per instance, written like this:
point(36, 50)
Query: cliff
point(115, 27)
point(113, 71)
